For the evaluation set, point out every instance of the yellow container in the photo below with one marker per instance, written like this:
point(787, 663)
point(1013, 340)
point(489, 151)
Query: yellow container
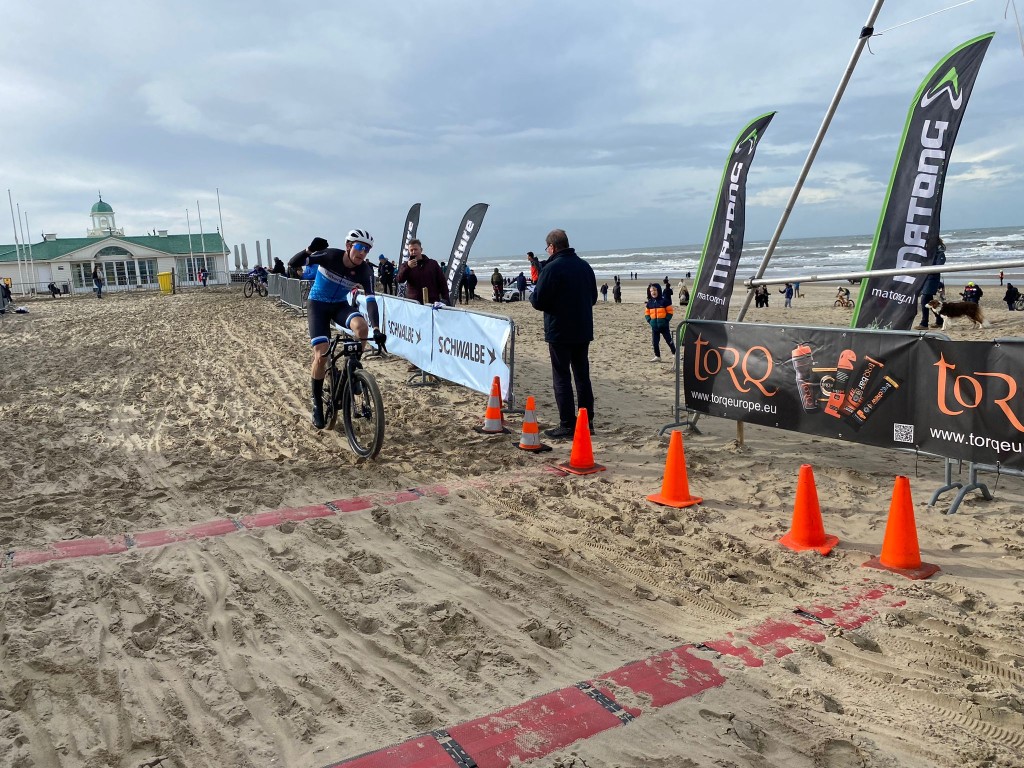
point(166, 282)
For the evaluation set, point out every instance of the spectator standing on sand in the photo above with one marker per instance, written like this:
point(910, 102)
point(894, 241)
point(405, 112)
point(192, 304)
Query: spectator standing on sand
point(658, 314)
point(566, 294)
point(1011, 296)
point(617, 291)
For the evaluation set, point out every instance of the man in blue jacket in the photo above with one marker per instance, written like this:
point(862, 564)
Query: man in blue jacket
point(566, 293)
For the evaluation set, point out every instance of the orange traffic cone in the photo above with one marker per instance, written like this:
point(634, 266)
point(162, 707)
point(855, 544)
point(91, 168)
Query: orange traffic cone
point(581, 460)
point(807, 530)
point(900, 552)
point(675, 489)
point(493, 423)
point(530, 439)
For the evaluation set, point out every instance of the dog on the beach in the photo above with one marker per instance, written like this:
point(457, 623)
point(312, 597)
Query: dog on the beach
point(954, 313)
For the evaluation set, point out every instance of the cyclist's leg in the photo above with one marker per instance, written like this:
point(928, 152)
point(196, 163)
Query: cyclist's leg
point(318, 314)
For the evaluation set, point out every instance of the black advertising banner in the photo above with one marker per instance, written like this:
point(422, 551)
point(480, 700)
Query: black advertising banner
point(412, 223)
point(468, 230)
point(957, 399)
point(908, 228)
point(716, 272)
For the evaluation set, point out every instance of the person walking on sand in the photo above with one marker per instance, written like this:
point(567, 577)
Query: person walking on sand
point(617, 290)
point(930, 287)
point(566, 293)
point(787, 291)
point(497, 285)
point(667, 290)
point(1011, 296)
point(521, 286)
point(97, 280)
point(658, 314)
point(604, 292)
point(1000, 277)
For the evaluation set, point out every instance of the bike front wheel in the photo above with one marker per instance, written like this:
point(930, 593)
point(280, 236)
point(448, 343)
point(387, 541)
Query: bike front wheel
point(362, 413)
point(248, 289)
point(331, 396)
point(262, 288)
point(1019, 304)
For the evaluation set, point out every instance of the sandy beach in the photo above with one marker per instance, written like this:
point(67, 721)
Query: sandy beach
point(313, 640)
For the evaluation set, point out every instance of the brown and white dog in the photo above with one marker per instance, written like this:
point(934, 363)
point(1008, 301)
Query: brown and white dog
point(954, 313)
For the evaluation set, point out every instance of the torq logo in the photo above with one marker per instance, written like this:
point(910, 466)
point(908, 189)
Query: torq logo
point(751, 139)
point(949, 85)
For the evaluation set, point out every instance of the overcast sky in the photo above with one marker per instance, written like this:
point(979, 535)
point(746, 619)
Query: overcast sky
point(611, 120)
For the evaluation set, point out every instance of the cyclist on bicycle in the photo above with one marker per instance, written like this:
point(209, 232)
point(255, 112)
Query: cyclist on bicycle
point(259, 272)
point(341, 276)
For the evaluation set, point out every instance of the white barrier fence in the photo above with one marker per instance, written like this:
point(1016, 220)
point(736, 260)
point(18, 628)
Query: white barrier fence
point(458, 345)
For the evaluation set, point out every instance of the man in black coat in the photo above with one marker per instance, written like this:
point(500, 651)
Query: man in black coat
point(566, 293)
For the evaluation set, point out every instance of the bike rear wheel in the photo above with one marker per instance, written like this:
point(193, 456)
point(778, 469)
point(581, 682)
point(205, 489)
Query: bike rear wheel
point(362, 414)
point(1019, 304)
point(248, 289)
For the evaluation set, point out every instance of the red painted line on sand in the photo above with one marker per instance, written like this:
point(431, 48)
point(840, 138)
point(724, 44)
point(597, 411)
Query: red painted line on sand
point(93, 547)
point(555, 720)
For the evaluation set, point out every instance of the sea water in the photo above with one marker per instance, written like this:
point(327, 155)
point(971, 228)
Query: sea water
point(817, 255)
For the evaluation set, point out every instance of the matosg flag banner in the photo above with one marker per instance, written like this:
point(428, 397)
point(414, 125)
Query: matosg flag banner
point(468, 230)
point(716, 272)
point(958, 399)
point(908, 228)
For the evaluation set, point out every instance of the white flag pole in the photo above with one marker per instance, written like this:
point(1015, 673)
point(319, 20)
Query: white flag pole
point(31, 272)
point(865, 34)
point(31, 261)
point(202, 237)
point(17, 247)
point(223, 243)
point(191, 256)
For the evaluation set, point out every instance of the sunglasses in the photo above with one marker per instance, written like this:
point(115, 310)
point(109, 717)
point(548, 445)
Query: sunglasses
point(361, 247)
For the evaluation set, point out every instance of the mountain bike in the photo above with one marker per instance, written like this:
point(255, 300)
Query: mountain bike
point(842, 301)
point(254, 285)
point(352, 391)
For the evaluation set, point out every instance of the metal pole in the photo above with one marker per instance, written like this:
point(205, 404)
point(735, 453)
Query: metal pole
point(17, 248)
point(31, 275)
point(865, 34)
point(983, 266)
point(191, 257)
point(31, 261)
point(223, 244)
point(202, 237)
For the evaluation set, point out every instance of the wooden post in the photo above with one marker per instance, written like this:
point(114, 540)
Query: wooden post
point(426, 296)
point(739, 433)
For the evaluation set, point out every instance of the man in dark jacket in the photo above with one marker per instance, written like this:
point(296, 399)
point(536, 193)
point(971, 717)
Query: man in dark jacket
point(566, 293)
point(420, 271)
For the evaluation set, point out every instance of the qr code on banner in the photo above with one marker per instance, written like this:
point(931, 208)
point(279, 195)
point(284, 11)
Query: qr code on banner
point(903, 433)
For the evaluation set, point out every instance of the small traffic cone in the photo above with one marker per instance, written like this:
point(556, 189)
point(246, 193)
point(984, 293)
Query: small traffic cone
point(675, 489)
point(900, 551)
point(581, 460)
point(807, 530)
point(530, 439)
point(493, 422)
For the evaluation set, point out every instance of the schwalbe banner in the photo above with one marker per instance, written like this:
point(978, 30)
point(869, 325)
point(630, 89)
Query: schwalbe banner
point(908, 228)
point(464, 238)
point(716, 272)
point(959, 399)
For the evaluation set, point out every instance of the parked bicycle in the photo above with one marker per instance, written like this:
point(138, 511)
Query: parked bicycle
point(254, 284)
point(352, 391)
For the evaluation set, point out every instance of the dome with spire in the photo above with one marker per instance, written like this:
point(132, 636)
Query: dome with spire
point(101, 207)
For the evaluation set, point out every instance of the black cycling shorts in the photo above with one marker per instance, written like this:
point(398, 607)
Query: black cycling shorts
point(321, 313)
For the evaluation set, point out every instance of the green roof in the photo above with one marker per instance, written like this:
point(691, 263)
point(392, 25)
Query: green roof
point(102, 207)
point(175, 245)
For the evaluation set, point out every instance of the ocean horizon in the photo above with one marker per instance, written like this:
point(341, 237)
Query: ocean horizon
point(813, 255)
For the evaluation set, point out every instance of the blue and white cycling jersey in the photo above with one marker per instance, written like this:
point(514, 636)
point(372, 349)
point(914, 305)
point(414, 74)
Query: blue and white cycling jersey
point(334, 280)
